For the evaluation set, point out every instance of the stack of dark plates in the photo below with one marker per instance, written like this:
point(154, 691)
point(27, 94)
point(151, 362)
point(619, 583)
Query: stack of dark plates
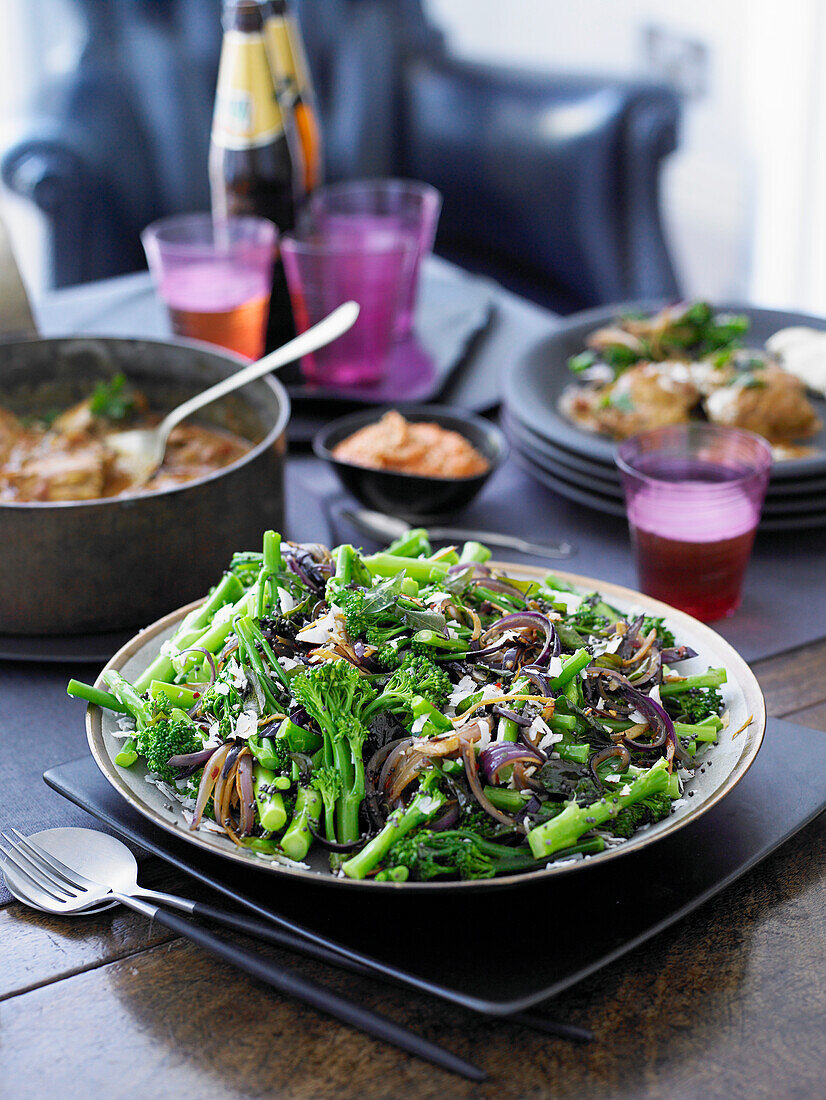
point(580, 465)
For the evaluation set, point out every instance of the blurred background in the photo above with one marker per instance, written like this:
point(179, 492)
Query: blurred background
point(742, 197)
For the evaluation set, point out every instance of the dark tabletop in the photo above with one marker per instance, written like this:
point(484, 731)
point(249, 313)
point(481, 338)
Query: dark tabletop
point(729, 1003)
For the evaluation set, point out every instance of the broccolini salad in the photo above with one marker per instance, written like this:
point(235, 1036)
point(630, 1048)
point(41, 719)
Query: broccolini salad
point(414, 714)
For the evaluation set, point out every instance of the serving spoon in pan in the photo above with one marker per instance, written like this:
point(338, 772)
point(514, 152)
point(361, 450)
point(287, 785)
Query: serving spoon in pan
point(141, 450)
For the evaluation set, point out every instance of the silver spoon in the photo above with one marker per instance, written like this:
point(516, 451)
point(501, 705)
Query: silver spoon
point(142, 449)
point(75, 871)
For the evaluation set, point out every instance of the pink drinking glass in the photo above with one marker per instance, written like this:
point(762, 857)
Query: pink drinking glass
point(404, 206)
point(693, 495)
point(325, 269)
point(215, 277)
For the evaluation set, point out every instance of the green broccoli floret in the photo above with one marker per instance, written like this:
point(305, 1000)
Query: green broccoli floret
point(587, 619)
point(696, 704)
point(663, 633)
point(166, 738)
point(223, 708)
point(336, 695)
point(464, 854)
point(417, 676)
point(651, 809)
point(351, 602)
point(327, 782)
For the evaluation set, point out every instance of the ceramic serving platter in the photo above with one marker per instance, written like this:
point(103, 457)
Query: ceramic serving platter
point(732, 757)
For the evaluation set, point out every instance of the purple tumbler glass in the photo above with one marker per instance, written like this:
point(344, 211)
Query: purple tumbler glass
point(693, 494)
point(402, 206)
point(327, 268)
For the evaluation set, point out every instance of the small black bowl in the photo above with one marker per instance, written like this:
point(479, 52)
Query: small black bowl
point(411, 496)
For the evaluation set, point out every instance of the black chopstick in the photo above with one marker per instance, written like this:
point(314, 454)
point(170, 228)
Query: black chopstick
point(261, 930)
point(312, 993)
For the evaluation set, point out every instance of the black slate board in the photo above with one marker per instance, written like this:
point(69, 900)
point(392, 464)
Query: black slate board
point(617, 906)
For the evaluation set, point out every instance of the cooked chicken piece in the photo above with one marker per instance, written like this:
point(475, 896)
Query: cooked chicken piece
point(649, 395)
point(771, 403)
point(10, 432)
point(56, 470)
point(76, 422)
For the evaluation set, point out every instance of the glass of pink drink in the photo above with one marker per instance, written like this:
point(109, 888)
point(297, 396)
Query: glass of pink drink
point(693, 494)
point(215, 277)
point(326, 268)
point(402, 206)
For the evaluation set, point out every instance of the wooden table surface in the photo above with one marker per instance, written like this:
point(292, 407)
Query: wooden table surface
point(730, 1002)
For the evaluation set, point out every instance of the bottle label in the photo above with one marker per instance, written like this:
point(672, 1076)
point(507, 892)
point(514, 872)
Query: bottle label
point(284, 59)
point(247, 113)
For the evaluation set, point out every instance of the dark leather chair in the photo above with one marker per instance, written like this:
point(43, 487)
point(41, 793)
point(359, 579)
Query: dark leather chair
point(550, 181)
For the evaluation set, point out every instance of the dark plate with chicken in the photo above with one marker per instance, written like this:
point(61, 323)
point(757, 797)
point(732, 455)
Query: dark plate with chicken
point(612, 372)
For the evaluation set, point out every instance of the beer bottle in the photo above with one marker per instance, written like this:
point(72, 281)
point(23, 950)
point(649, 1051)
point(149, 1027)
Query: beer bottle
point(253, 165)
point(291, 73)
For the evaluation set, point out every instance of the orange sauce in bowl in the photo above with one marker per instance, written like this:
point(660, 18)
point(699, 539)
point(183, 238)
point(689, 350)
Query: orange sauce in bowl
point(422, 448)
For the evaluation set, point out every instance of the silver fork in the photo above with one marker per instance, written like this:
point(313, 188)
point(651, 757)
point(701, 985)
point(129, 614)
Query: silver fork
point(57, 888)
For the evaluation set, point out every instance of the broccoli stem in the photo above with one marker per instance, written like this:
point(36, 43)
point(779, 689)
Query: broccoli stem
point(447, 555)
point(425, 804)
point(421, 570)
point(577, 754)
point(503, 798)
point(127, 755)
point(272, 563)
point(560, 723)
point(246, 637)
point(298, 739)
point(711, 679)
point(474, 551)
point(78, 690)
point(255, 630)
point(507, 729)
point(297, 838)
point(412, 544)
point(435, 640)
point(129, 697)
point(177, 694)
point(702, 731)
point(571, 667)
point(566, 828)
point(271, 810)
point(228, 590)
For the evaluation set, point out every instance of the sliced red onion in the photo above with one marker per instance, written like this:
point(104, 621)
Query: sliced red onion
point(472, 773)
point(656, 715)
point(627, 643)
point(191, 761)
point(478, 569)
point(537, 677)
point(494, 584)
point(674, 654)
point(511, 715)
point(482, 654)
point(602, 755)
point(208, 780)
point(295, 566)
point(448, 820)
point(501, 753)
point(365, 662)
point(246, 796)
point(535, 620)
point(233, 754)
